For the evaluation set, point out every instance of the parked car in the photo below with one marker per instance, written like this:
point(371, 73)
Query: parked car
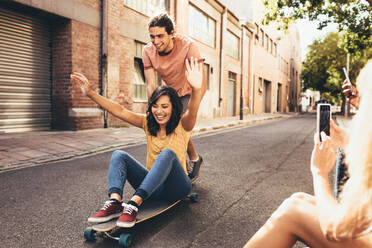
point(320, 101)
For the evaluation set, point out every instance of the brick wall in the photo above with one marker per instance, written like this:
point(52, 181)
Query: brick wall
point(95, 4)
point(115, 87)
point(61, 50)
point(85, 47)
point(76, 47)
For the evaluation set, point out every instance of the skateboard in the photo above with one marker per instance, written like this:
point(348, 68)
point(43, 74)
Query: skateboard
point(341, 175)
point(146, 211)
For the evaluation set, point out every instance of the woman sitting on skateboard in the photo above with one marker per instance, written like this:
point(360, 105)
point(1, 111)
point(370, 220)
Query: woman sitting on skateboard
point(321, 220)
point(165, 176)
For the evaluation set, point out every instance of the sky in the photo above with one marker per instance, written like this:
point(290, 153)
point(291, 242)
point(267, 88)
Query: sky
point(309, 32)
point(252, 10)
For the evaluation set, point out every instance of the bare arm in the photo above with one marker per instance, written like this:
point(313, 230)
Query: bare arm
point(194, 75)
point(114, 108)
point(339, 221)
point(150, 77)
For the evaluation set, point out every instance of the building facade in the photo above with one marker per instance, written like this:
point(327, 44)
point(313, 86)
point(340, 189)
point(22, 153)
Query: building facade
point(43, 41)
point(276, 61)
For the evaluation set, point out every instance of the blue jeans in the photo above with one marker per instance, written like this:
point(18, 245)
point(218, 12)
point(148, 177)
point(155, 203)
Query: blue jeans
point(166, 180)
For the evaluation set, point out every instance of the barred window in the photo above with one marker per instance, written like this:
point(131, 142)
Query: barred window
point(147, 7)
point(201, 26)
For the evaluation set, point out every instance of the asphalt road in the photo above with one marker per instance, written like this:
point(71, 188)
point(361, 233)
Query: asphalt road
point(248, 172)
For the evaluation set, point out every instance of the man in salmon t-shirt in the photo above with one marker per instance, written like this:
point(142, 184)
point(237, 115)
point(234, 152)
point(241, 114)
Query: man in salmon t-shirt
point(166, 54)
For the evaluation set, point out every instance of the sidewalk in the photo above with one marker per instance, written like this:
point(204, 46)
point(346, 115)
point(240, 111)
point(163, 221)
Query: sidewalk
point(28, 149)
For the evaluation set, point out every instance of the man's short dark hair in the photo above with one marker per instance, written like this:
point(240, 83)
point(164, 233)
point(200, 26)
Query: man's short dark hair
point(162, 20)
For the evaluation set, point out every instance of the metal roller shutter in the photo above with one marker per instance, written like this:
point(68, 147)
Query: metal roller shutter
point(25, 73)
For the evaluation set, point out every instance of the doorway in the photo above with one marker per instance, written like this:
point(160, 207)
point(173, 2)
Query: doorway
point(267, 96)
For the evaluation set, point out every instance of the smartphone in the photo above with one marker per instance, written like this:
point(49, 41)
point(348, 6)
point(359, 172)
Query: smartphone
point(323, 118)
point(346, 75)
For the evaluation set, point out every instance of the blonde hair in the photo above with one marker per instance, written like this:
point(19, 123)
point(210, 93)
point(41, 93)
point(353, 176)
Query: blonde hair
point(358, 189)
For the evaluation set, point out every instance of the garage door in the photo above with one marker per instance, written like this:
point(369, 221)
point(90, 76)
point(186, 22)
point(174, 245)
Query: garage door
point(25, 73)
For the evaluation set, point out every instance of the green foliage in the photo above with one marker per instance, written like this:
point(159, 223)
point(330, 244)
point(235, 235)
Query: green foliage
point(353, 17)
point(322, 68)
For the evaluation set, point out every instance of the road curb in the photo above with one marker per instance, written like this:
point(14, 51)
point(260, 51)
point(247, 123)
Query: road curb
point(238, 123)
point(105, 148)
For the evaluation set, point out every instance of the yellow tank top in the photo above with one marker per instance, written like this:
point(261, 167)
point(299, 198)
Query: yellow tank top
point(177, 141)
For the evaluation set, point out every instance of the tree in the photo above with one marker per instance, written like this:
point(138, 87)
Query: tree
point(353, 17)
point(322, 68)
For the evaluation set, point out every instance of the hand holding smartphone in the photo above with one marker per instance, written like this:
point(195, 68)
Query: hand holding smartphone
point(323, 118)
point(347, 87)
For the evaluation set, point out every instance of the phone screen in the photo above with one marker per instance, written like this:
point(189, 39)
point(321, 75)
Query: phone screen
point(324, 116)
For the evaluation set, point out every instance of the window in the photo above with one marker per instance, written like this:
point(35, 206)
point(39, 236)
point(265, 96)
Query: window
point(140, 87)
point(139, 48)
point(275, 50)
point(201, 26)
point(232, 45)
point(257, 34)
point(262, 35)
point(267, 42)
point(271, 46)
point(147, 7)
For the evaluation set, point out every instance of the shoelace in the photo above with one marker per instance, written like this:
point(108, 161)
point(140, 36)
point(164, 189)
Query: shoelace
point(107, 204)
point(128, 209)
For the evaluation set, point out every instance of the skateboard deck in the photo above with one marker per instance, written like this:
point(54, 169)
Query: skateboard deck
point(148, 210)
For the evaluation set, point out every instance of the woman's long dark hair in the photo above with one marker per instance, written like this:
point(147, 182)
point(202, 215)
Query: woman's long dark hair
point(152, 125)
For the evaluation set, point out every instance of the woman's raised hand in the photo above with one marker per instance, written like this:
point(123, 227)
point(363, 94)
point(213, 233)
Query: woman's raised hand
point(351, 92)
point(194, 73)
point(81, 81)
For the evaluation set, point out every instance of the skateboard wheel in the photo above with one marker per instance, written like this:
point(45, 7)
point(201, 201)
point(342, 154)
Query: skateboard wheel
point(125, 240)
point(89, 234)
point(194, 197)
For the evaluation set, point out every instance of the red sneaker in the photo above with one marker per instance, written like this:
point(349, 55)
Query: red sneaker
point(128, 217)
point(110, 210)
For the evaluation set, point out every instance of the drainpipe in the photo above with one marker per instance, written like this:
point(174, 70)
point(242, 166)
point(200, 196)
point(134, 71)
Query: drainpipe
point(224, 13)
point(103, 57)
point(241, 73)
point(251, 54)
